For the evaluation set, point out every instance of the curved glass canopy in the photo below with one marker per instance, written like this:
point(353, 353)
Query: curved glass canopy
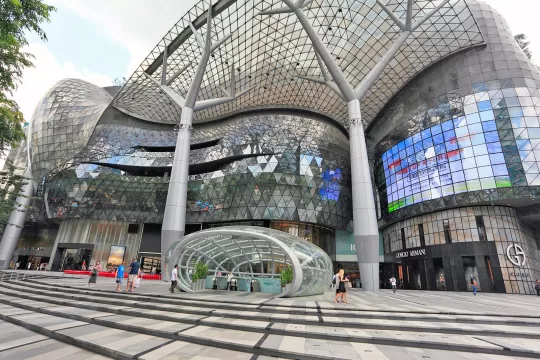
point(253, 253)
point(275, 54)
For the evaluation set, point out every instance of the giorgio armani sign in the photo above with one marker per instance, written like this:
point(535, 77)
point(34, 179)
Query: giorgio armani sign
point(411, 253)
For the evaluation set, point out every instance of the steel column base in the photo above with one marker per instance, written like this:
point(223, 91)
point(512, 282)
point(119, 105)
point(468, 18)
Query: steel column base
point(168, 237)
point(369, 274)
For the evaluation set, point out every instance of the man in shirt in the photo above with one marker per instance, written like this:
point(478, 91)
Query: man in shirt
point(119, 276)
point(132, 275)
point(174, 279)
point(393, 282)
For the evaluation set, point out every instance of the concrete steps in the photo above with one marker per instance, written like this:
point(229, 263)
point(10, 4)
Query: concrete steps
point(459, 324)
point(276, 335)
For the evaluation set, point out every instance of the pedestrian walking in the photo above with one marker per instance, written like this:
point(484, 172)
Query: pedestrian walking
point(174, 279)
point(394, 283)
point(229, 278)
point(93, 277)
point(139, 278)
point(537, 287)
point(132, 275)
point(340, 283)
point(474, 286)
point(119, 275)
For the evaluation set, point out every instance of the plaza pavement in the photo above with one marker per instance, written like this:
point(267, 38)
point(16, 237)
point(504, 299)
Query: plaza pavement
point(154, 324)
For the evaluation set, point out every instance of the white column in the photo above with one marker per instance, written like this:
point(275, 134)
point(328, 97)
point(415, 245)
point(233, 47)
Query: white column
point(366, 231)
point(16, 223)
point(174, 218)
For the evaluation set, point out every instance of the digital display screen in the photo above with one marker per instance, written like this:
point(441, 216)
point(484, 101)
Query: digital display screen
point(456, 156)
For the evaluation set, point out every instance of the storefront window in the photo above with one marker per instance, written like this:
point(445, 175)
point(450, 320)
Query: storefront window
point(321, 236)
point(471, 272)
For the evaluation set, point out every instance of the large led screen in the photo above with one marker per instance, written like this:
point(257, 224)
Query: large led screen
point(459, 155)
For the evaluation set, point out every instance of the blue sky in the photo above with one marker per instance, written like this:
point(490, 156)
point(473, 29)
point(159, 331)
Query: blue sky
point(100, 40)
point(73, 38)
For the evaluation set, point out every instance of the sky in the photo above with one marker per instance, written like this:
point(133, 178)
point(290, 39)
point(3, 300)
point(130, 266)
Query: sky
point(101, 40)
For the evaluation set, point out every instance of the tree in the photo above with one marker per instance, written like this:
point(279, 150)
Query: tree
point(119, 82)
point(523, 43)
point(11, 183)
point(17, 18)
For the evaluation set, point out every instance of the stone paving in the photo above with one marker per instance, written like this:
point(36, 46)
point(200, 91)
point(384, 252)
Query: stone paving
point(154, 324)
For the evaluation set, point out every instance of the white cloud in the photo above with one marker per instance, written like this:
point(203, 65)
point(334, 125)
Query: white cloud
point(522, 16)
point(136, 25)
point(46, 72)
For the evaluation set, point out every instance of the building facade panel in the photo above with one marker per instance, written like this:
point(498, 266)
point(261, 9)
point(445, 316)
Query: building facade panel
point(282, 167)
point(460, 134)
point(496, 226)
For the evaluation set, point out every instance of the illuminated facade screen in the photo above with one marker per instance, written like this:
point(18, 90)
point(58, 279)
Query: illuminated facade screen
point(458, 155)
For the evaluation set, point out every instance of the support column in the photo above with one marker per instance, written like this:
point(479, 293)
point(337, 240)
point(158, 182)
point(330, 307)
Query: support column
point(366, 231)
point(16, 224)
point(174, 218)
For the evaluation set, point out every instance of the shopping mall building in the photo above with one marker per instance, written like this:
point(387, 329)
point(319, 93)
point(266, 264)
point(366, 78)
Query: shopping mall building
point(451, 125)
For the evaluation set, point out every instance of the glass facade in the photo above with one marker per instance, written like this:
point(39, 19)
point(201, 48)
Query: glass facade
point(452, 121)
point(282, 167)
point(503, 229)
point(464, 133)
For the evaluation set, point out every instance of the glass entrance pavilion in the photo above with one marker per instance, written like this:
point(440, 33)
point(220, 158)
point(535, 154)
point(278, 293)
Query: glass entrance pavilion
point(253, 255)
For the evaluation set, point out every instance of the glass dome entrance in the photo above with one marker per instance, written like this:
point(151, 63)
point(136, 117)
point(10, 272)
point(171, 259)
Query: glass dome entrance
point(253, 253)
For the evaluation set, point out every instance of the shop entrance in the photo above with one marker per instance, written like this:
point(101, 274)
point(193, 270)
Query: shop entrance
point(70, 256)
point(414, 274)
point(151, 264)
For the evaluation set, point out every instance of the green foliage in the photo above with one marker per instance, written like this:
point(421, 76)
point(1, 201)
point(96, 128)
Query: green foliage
point(201, 271)
point(17, 17)
point(286, 275)
point(10, 186)
point(523, 43)
point(11, 120)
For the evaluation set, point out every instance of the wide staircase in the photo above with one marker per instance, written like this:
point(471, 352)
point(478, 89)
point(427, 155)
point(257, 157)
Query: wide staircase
point(174, 326)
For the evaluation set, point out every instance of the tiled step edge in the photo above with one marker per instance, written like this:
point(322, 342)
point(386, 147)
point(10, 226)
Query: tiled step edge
point(349, 309)
point(320, 322)
point(361, 314)
point(266, 351)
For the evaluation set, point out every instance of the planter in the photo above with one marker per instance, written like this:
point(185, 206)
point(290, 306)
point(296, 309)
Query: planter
point(198, 285)
point(286, 288)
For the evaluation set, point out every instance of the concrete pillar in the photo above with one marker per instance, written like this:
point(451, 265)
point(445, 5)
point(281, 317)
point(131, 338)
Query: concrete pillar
point(366, 231)
point(174, 218)
point(16, 223)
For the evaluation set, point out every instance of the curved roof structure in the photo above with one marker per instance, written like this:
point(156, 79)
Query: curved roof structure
point(253, 252)
point(270, 52)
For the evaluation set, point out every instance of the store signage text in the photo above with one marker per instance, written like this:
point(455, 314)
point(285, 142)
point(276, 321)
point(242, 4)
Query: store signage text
point(416, 252)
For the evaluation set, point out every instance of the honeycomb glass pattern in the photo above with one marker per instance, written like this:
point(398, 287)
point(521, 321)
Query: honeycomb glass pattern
point(63, 122)
point(282, 167)
point(272, 51)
